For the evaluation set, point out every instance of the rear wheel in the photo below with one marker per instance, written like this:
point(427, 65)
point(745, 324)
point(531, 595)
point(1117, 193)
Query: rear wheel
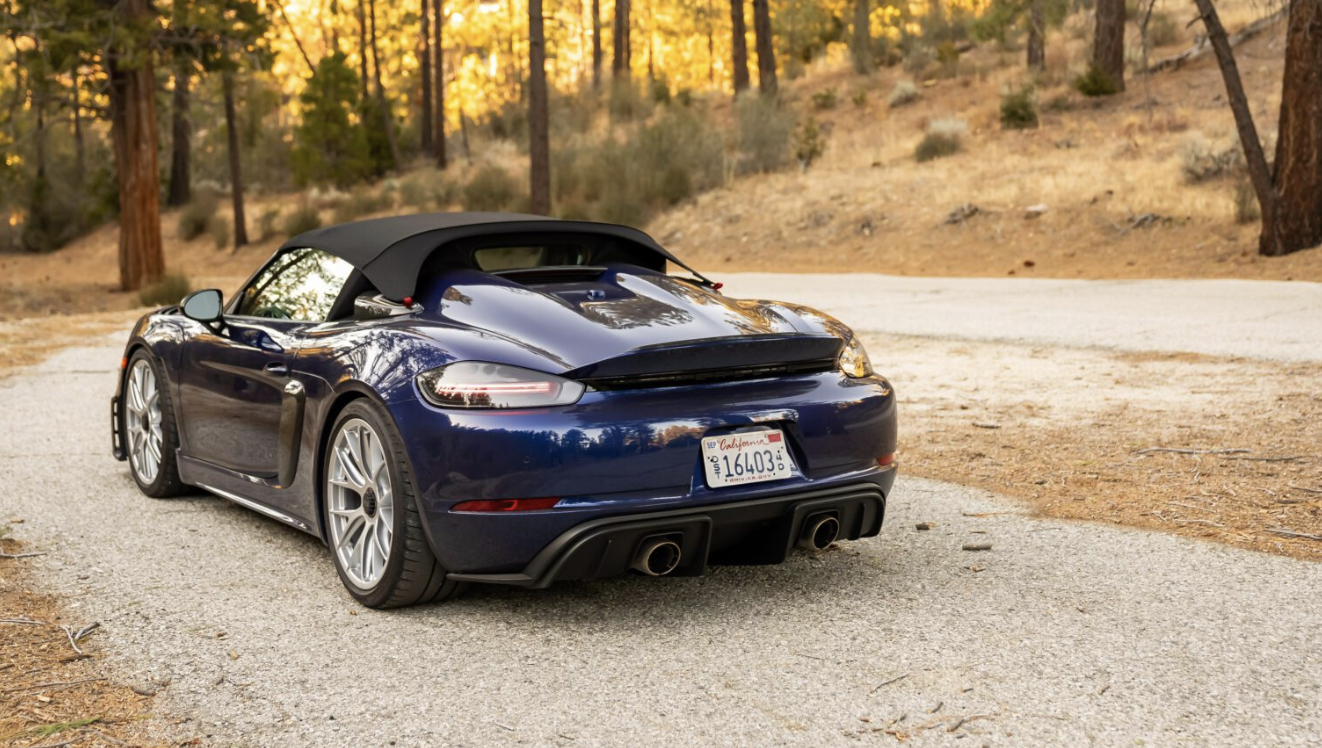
point(153, 437)
point(372, 518)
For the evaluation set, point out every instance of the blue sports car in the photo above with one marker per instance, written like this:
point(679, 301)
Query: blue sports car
point(466, 397)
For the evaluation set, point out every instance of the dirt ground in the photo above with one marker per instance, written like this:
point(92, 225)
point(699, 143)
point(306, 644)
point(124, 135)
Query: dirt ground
point(1220, 449)
point(49, 694)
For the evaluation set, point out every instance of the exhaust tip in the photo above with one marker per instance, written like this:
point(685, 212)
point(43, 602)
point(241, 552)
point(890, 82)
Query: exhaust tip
point(657, 558)
point(819, 533)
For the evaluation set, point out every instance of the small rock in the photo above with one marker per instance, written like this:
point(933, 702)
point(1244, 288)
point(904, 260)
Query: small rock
point(1029, 263)
point(961, 214)
point(923, 526)
point(1035, 211)
point(977, 546)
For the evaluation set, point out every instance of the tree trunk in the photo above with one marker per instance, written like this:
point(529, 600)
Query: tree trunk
point(362, 47)
point(862, 46)
point(766, 56)
point(1254, 158)
point(439, 138)
point(623, 59)
point(1037, 34)
point(596, 45)
point(387, 120)
point(180, 137)
point(1298, 167)
point(236, 172)
point(739, 46)
point(80, 147)
point(133, 130)
point(1108, 52)
point(539, 145)
point(425, 39)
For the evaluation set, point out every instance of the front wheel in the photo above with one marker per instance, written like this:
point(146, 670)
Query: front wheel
point(372, 518)
point(153, 436)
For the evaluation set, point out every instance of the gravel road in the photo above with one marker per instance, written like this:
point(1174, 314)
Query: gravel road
point(1255, 319)
point(1062, 634)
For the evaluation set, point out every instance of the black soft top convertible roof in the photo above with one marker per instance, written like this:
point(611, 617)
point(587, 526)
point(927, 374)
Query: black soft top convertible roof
point(390, 252)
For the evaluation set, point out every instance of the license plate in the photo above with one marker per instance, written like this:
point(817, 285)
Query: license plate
point(746, 457)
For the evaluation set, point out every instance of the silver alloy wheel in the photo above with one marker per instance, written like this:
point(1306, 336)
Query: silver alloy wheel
point(361, 502)
point(143, 417)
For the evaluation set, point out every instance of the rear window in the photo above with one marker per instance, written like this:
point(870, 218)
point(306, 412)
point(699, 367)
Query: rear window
point(495, 259)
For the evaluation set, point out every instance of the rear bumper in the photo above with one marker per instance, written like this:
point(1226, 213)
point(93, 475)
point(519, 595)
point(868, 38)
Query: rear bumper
point(759, 531)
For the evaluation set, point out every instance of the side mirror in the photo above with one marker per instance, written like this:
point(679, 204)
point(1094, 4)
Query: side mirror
point(203, 306)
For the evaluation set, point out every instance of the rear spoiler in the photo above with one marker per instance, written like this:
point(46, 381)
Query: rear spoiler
point(713, 355)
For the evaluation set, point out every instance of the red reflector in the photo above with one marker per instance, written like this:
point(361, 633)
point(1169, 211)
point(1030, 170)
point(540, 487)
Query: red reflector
point(886, 460)
point(504, 505)
point(124, 362)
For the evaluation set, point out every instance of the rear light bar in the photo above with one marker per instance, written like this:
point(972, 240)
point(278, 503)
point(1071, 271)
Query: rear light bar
point(505, 505)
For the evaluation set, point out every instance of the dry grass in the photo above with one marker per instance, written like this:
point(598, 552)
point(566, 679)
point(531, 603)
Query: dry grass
point(1066, 430)
point(49, 695)
point(31, 340)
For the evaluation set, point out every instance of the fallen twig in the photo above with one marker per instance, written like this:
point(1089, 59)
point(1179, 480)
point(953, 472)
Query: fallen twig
point(52, 684)
point(882, 685)
point(1282, 458)
point(58, 745)
point(956, 724)
point(1153, 450)
point(75, 636)
point(20, 555)
point(1283, 532)
point(977, 546)
point(1305, 489)
point(977, 424)
point(1181, 521)
point(22, 621)
point(105, 737)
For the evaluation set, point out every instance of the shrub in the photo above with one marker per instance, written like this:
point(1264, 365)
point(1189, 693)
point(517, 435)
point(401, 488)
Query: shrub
point(1247, 209)
point(944, 137)
point(413, 193)
point(170, 289)
point(860, 98)
point(659, 88)
point(361, 202)
point(1018, 110)
point(219, 230)
point(905, 92)
point(623, 209)
point(626, 101)
point(809, 143)
point(825, 99)
point(947, 54)
point(1061, 102)
point(444, 192)
point(490, 189)
point(1201, 160)
point(267, 222)
point(305, 218)
point(196, 216)
point(1162, 30)
point(763, 134)
point(1095, 82)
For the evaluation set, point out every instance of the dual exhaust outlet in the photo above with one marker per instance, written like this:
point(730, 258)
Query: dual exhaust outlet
point(657, 557)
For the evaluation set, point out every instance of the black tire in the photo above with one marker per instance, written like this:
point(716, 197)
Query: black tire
point(412, 575)
point(166, 483)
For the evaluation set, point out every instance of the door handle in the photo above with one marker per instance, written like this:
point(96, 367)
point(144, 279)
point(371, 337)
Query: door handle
point(277, 369)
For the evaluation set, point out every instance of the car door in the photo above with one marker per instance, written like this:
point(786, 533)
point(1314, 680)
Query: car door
point(233, 376)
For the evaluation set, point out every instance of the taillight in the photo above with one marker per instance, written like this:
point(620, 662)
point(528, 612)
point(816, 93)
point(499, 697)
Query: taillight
point(505, 505)
point(476, 384)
